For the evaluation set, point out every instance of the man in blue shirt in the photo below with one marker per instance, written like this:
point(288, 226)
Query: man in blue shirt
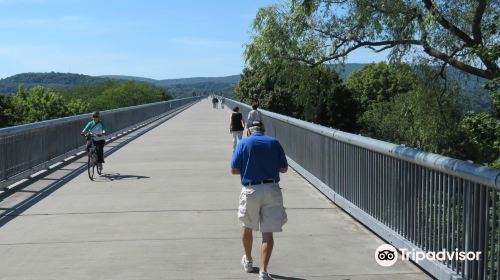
point(259, 159)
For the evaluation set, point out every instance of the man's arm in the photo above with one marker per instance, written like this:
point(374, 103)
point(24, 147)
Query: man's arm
point(236, 161)
point(282, 158)
point(235, 171)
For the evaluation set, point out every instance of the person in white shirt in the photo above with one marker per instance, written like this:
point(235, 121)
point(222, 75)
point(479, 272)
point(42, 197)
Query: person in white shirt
point(253, 116)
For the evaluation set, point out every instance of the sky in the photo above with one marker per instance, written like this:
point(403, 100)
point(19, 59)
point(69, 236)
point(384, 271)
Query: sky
point(159, 39)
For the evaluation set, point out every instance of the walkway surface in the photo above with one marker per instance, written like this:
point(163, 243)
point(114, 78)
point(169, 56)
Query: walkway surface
point(166, 209)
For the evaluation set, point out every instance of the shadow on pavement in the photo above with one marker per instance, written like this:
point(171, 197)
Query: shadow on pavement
point(275, 276)
point(118, 176)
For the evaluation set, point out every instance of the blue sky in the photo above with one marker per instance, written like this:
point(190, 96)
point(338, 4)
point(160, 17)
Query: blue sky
point(149, 38)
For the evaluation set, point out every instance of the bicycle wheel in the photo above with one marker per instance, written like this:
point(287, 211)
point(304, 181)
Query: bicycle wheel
point(91, 166)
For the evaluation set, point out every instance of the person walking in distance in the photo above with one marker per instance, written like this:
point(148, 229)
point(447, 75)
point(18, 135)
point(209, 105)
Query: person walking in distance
point(222, 101)
point(253, 115)
point(259, 159)
point(236, 126)
point(214, 102)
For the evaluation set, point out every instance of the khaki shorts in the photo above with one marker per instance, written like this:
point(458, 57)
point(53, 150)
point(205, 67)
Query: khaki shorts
point(261, 208)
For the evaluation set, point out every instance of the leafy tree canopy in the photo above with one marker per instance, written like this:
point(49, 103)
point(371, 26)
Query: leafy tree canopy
point(459, 33)
point(314, 94)
point(377, 82)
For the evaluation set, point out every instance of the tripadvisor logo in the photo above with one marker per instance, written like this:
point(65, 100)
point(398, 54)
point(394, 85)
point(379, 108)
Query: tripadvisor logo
point(386, 255)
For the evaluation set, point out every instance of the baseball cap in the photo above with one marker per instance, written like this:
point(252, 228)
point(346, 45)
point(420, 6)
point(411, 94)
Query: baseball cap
point(257, 123)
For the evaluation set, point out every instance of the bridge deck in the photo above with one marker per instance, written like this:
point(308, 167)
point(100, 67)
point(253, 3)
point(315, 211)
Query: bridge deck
point(166, 209)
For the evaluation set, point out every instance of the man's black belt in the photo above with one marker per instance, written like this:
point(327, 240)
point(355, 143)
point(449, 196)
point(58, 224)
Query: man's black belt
point(260, 182)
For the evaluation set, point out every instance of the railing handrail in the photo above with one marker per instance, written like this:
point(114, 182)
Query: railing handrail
point(11, 129)
point(474, 172)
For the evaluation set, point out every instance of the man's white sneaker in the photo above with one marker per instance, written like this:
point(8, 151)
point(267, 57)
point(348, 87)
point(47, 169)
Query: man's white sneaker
point(265, 276)
point(247, 265)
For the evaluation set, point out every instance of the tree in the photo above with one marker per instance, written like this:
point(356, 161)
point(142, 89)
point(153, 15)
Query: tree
point(459, 33)
point(8, 116)
point(110, 94)
point(38, 104)
point(483, 130)
point(77, 106)
point(400, 105)
point(257, 87)
point(314, 94)
point(376, 82)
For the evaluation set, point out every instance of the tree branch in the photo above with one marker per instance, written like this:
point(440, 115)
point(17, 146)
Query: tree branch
point(476, 24)
point(488, 74)
point(384, 44)
point(446, 24)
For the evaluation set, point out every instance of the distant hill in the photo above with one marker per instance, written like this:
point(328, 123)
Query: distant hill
point(54, 80)
point(189, 86)
point(133, 78)
point(473, 98)
point(346, 69)
point(184, 81)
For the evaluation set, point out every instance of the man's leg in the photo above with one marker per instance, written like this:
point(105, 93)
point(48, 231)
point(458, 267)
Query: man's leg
point(247, 239)
point(265, 250)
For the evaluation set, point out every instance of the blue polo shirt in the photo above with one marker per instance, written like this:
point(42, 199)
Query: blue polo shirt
point(259, 157)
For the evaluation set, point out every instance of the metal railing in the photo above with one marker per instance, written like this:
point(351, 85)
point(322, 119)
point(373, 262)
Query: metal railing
point(412, 199)
point(24, 147)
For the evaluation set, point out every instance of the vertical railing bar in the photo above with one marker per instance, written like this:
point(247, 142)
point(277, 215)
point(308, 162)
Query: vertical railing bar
point(397, 195)
point(433, 206)
point(427, 203)
point(498, 239)
point(483, 245)
point(493, 234)
point(438, 211)
point(475, 228)
point(447, 224)
point(453, 218)
point(414, 203)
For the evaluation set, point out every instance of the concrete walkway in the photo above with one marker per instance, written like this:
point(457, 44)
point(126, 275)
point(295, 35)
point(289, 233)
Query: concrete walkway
point(166, 209)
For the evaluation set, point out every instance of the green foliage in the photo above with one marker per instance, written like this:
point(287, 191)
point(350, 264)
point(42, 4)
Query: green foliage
point(484, 131)
point(127, 93)
point(53, 80)
point(379, 82)
point(393, 102)
point(418, 118)
point(458, 33)
point(314, 94)
point(494, 88)
point(77, 107)
point(257, 88)
point(7, 114)
point(413, 107)
point(110, 94)
point(38, 104)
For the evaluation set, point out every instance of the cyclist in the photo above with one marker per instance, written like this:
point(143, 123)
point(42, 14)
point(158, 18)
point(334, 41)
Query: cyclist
point(98, 129)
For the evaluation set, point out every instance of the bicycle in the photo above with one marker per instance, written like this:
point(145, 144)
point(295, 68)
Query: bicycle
point(92, 157)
